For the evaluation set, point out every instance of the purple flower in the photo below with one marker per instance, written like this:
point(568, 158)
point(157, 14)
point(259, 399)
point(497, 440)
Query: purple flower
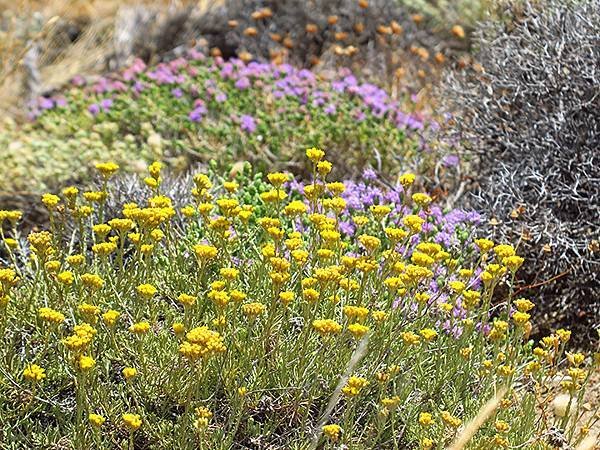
point(248, 124)
point(221, 97)
point(94, 109)
point(177, 93)
point(46, 103)
point(330, 109)
point(369, 174)
point(451, 160)
point(106, 104)
point(243, 83)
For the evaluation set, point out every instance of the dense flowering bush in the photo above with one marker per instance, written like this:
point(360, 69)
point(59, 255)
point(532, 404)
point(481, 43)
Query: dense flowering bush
point(199, 108)
point(289, 317)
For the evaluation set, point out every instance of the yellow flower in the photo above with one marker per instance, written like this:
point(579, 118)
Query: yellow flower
point(425, 419)
point(502, 426)
point(310, 295)
point(428, 334)
point(395, 234)
point(465, 352)
point(146, 291)
point(380, 211)
point(390, 403)
point(356, 312)
point(295, 208)
point(140, 328)
point(379, 316)
point(332, 432)
point(427, 444)
point(357, 330)
point(410, 338)
point(178, 328)
point(50, 200)
point(96, 420)
point(371, 243)
point(101, 229)
point(504, 250)
point(104, 248)
point(274, 195)
point(277, 178)
point(315, 154)
point(75, 260)
point(51, 315)
point(521, 318)
point(326, 326)
point(86, 363)
point(451, 420)
point(253, 310)
point(563, 335)
point(92, 281)
point(107, 169)
point(407, 179)
point(230, 186)
point(513, 262)
point(413, 222)
point(523, 304)
point(95, 196)
point(186, 300)
point(34, 373)
point(201, 343)
point(354, 385)
point(66, 278)
point(421, 199)
point(237, 296)
point(229, 273)
point(484, 245)
point(129, 372)
point(205, 252)
point(336, 188)
point(286, 297)
point(132, 421)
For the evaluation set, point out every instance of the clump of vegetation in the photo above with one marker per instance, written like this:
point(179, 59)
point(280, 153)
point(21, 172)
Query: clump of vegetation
point(279, 315)
point(531, 124)
point(198, 108)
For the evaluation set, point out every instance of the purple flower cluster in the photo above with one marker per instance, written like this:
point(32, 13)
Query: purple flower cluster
point(277, 81)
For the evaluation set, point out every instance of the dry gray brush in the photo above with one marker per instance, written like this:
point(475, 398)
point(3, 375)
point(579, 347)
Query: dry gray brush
point(529, 124)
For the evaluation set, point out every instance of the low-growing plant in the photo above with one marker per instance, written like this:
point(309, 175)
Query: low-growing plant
point(287, 318)
point(199, 108)
point(530, 121)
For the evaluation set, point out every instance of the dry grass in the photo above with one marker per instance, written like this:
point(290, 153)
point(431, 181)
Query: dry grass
point(43, 44)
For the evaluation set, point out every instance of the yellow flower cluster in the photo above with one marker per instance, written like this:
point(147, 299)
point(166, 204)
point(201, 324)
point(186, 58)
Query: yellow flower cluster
point(202, 343)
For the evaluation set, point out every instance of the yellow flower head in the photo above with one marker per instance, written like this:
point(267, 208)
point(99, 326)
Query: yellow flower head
point(332, 432)
point(107, 169)
point(326, 326)
point(357, 330)
point(146, 291)
point(51, 315)
point(315, 154)
point(86, 363)
point(425, 419)
point(277, 178)
point(407, 179)
point(96, 420)
point(34, 373)
point(354, 385)
point(132, 421)
point(129, 372)
point(140, 328)
point(253, 310)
